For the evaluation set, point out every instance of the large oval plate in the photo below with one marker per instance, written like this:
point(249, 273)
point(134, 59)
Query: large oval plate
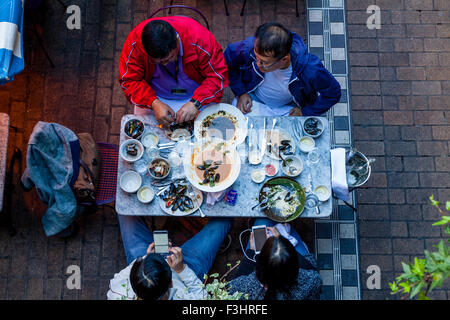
point(178, 212)
point(292, 185)
point(193, 159)
point(221, 110)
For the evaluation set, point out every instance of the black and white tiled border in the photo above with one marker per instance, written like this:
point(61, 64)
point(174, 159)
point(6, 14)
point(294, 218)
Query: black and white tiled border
point(336, 236)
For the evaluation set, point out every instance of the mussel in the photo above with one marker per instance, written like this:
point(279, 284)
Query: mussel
point(201, 167)
point(188, 203)
point(285, 142)
point(217, 177)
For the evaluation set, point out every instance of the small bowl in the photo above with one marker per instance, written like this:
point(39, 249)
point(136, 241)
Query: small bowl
point(145, 194)
point(136, 123)
point(320, 126)
point(306, 144)
point(130, 181)
point(258, 175)
point(154, 161)
point(292, 161)
point(322, 192)
point(270, 172)
point(149, 139)
point(128, 157)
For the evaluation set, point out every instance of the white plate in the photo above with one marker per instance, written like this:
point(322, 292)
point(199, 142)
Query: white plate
point(178, 212)
point(286, 136)
point(232, 112)
point(193, 158)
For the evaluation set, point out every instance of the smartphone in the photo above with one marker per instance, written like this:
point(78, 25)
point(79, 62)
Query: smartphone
point(161, 239)
point(259, 237)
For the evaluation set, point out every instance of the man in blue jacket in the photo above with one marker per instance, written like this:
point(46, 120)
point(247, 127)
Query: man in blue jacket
point(275, 69)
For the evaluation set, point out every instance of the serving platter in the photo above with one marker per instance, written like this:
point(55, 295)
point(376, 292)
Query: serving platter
point(222, 121)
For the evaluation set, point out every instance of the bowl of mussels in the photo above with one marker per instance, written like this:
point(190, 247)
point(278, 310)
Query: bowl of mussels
point(134, 128)
point(159, 168)
point(313, 127)
point(131, 150)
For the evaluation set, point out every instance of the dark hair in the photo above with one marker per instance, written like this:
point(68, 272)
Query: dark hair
point(150, 277)
point(277, 266)
point(272, 39)
point(158, 39)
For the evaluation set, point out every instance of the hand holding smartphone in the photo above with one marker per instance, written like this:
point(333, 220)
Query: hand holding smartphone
point(259, 234)
point(161, 239)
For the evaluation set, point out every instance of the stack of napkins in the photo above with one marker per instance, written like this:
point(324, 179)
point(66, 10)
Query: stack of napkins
point(338, 174)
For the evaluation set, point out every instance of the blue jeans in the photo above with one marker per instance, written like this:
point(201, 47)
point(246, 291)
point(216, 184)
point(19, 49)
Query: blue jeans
point(199, 252)
point(300, 247)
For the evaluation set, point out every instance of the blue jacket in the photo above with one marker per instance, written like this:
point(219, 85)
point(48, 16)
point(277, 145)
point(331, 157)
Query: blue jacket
point(313, 87)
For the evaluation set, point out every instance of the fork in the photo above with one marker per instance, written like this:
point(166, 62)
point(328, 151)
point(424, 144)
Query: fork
point(192, 194)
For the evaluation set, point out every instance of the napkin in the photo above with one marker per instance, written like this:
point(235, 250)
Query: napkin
point(213, 197)
point(285, 231)
point(338, 174)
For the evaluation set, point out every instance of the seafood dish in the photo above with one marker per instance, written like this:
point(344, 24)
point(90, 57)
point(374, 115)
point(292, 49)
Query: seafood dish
point(175, 198)
point(282, 198)
point(279, 141)
point(134, 128)
point(215, 167)
point(159, 168)
point(313, 127)
point(132, 149)
point(180, 131)
point(219, 124)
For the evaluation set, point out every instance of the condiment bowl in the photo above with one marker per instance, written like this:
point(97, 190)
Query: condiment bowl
point(130, 181)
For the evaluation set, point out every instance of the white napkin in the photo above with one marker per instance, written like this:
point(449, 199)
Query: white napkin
point(285, 231)
point(213, 197)
point(338, 174)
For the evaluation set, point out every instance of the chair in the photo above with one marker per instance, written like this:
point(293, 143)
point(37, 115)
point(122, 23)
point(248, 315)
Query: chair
point(184, 7)
point(106, 189)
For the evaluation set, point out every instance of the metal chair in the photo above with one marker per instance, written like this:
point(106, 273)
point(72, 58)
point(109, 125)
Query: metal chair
point(184, 7)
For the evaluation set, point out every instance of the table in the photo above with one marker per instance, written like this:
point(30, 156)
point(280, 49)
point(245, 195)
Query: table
point(248, 191)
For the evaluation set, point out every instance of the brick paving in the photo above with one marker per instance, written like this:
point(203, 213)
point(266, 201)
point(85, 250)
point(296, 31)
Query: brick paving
point(82, 93)
point(400, 84)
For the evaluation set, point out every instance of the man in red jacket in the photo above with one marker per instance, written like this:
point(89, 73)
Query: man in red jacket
point(172, 61)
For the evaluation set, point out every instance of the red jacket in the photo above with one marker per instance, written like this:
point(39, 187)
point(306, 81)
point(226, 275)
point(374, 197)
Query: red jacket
point(203, 62)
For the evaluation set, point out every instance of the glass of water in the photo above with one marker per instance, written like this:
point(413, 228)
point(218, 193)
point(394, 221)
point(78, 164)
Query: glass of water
point(313, 157)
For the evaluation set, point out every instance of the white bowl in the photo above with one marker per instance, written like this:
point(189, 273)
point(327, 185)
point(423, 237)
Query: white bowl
point(127, 157)
point(130, 181)
point(322, 192)
point(306, 144)
point(161, 160)
point(258, 175)
point(321, 127)
point(138, 134)
point(145, 194)
point(149, 139)
point(292, 161)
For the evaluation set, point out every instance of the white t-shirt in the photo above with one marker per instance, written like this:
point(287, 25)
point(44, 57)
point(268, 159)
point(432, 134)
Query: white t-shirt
point(274, 91)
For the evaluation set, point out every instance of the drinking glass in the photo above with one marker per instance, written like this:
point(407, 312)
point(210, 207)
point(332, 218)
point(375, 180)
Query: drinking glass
point(313, 157)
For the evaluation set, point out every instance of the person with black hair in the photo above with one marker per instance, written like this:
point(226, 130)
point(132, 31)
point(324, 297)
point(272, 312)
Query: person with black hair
point(171, 67)
point(177, 276)
point(281, 271)
point(275, 69)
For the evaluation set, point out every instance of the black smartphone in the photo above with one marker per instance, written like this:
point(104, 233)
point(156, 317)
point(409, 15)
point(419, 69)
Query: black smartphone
point(259, 237)
point(161, 239)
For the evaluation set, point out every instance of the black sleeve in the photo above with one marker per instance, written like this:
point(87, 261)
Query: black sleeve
point(305, 264)
point(246, 266)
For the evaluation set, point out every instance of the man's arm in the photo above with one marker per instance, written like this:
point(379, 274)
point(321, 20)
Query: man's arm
point(214, 69)
point(234, 60)
point(328, 88)
point(131, 78)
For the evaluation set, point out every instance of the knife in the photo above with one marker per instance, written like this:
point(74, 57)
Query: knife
point(263, 143)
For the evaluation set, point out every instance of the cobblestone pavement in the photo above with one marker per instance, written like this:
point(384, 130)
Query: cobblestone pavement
point(400, 84)
point(82, 93)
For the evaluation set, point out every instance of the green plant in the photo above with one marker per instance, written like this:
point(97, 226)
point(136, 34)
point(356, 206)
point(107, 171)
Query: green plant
point(422, 276)
point(218, 288)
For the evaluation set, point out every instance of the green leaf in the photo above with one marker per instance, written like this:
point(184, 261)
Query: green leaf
point(444, 220)
point(447, 205)
point(406, 268)
point(416, 289)
point(433, 202)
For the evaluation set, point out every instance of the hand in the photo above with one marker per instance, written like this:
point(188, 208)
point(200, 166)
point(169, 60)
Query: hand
point(274, 231)
point(295, 112)
point(244, 103)
point(151, 247)
point(175, 260)
point(187, 112)
point(163, 113)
